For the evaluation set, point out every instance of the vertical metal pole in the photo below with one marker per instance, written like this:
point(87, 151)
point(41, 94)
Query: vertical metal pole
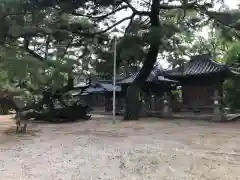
point(114, 80)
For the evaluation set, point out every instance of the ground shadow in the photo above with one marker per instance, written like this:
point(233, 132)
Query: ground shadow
point(11, 131)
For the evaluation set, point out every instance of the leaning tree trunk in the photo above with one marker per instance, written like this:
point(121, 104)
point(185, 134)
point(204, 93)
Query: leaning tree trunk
point(49, 96)
point(133, 104)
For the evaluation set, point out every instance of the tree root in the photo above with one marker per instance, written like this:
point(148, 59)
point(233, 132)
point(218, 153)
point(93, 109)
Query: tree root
point(20, 128)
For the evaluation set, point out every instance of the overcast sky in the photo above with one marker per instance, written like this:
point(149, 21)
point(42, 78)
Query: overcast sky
point(232, 3)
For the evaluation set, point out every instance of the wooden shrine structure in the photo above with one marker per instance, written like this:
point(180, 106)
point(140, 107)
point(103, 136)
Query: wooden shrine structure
point(199, 87)
point(201, 80)
point(98, 94)
point(152, 91)
point(201, 90)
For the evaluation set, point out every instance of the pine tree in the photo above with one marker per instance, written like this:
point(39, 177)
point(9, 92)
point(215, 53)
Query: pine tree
point(75, 24)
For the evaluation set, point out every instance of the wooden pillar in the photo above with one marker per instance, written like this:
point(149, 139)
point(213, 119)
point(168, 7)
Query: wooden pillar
point(108, 103)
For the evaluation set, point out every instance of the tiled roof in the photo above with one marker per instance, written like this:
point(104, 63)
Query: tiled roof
point(89, 90)
point(162, 78)
point(80, 85)
point(94, 90)
point(199, 65)
point(153, 77)
point(97, 86)
point(101, 87)
point(109, 87)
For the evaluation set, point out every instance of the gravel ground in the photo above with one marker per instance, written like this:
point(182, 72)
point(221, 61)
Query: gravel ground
point(97, 149)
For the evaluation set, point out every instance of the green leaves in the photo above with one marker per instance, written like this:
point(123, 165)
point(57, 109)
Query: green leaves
point(16, 65)
point(232, 56)
point(38, 17)
point(232, 85)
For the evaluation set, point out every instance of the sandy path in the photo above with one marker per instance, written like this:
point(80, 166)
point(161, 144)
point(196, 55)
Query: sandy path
point(97, 149)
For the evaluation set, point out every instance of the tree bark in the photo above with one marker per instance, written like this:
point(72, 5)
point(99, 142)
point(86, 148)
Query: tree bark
point(133, 102)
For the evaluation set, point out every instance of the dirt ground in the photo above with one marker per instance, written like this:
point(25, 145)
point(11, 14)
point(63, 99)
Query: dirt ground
point(97, 149)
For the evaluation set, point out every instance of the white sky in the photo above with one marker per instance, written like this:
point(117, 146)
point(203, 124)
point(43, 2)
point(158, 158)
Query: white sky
point(232, 4)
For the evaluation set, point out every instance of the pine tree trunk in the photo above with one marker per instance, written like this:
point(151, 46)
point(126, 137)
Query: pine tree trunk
point(133, 104)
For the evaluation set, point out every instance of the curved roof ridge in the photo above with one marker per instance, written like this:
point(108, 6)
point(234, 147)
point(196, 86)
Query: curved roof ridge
point(207, 57)
point(234, 71)
point(153, 76)
point(217, 63)
point(199, 65)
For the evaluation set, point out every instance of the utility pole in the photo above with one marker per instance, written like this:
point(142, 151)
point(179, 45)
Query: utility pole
point(114, 79)
point(114, 72)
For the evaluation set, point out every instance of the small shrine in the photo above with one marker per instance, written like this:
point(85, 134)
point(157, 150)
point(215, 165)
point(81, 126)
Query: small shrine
point(152, 92)
point(201, 85)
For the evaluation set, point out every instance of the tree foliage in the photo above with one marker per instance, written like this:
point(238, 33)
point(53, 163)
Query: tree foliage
point(72, 36)
point(232, 85)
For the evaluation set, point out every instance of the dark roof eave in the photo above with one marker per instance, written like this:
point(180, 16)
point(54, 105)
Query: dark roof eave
point(224, 73)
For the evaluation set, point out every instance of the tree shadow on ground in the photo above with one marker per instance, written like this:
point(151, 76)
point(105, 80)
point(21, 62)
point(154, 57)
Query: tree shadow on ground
point(29, 133)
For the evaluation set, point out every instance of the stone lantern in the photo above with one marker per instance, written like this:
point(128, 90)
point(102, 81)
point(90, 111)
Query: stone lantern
point(167, 110)
point(217, 110)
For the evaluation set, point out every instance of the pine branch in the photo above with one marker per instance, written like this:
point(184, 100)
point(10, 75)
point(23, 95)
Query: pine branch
point(102, 16)
point(108, 28)
point(67, 47)
point(135, 11)
point(119, 47)
point(214, 16)
point(193, 5)
point(31, 52)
